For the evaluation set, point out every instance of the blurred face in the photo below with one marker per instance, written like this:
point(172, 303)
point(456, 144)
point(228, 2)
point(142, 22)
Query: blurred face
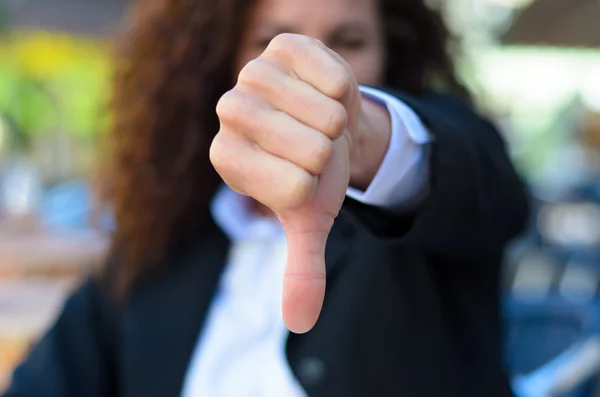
point(352, 28)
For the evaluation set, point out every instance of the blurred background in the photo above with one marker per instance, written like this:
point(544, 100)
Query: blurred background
point(534, 66)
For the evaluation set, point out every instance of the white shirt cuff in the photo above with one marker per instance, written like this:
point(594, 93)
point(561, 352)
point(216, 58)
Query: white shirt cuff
point(402, 178)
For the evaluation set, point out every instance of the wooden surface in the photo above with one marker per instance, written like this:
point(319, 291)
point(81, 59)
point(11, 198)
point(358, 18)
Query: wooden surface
point(41, 254)
point(37, 272)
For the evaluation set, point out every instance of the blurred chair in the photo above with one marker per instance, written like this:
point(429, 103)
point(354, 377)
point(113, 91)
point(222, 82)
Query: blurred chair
point(552, 305)
point(553, 323)
point(553, 346)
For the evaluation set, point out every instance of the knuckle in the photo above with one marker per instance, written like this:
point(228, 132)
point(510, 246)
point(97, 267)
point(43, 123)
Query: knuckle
point(285, 46)
point(282, 39)
point(281, 44)
point(230, 107)
point(300, 189)
point(226, 106)
point(286, 40)
point(337, 120)
point(321, 155)
point(339, 83)
point(252, 74)
point(319, 43)
point(218, 153)
point(223, 154)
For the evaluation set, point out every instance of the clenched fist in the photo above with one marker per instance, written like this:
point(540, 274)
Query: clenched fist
point(285, 140)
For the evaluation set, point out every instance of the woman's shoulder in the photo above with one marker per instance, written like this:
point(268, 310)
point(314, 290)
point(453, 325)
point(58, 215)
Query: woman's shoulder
point(95, 297)
point(83, 333)
point(440, 103)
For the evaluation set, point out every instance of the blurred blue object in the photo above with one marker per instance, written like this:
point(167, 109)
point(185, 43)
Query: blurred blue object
point(552, 313)
point(551, 304)
point(69, 206)
point(569, 375)
point(553, 346)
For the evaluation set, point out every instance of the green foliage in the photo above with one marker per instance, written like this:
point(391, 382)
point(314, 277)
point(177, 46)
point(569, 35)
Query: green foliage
point(52, 83)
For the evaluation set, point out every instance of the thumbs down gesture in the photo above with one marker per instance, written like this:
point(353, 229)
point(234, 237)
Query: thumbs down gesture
point(286, 139)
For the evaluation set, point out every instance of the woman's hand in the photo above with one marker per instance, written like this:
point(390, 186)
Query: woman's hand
point(286, 139)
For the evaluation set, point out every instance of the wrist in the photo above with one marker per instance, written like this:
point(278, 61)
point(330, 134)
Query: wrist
point(371, 143)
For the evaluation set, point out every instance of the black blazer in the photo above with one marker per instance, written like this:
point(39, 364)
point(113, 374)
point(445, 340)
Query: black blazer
point(412, 304)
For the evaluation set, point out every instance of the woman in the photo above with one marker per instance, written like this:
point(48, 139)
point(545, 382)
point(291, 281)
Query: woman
point(190, 304)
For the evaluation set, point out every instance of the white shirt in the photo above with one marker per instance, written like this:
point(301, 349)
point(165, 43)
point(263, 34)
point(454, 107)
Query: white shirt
point(241, 350)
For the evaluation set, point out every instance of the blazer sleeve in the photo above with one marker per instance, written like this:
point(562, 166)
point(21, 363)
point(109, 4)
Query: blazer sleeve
point(75, 357)
point(476, 201)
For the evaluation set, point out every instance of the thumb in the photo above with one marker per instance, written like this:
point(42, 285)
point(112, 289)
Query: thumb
point(304, 278)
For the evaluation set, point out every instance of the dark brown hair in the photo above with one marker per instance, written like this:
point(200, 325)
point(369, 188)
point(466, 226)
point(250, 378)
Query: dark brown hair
point(174, 62)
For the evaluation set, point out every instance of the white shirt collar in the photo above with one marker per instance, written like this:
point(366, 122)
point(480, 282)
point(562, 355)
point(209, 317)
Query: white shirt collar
point(231, 212)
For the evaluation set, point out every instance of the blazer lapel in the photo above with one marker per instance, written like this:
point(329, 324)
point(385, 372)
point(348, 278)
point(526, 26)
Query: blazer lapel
point(338, 242)
point(163, 320)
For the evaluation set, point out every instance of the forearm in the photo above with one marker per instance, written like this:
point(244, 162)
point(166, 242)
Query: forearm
point(453, 164)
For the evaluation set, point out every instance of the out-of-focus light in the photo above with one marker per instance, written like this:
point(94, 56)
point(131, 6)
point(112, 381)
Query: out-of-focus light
point(533, 278)
point(528, 79)
point(571, 224)
point(590, 90)
point(579, 282)
point(511, 3)
point(21, 189)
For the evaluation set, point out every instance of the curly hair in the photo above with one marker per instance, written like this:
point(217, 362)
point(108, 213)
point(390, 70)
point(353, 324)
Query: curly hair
point(173, 64)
